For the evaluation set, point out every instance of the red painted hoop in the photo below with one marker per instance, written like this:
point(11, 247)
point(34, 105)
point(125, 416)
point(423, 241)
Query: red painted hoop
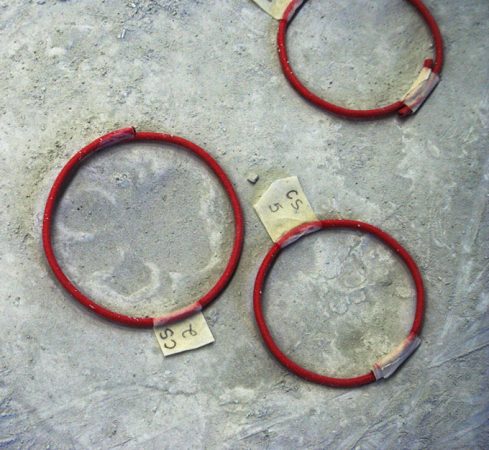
point(397, 107)
point(131, 135)
point(291, 237)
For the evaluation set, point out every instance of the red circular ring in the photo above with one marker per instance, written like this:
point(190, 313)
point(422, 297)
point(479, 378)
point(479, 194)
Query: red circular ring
point(292, 236)
point(396, 107)
point(131, 135)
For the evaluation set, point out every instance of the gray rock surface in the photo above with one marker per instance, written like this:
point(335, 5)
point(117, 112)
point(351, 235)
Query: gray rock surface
point(145, 228)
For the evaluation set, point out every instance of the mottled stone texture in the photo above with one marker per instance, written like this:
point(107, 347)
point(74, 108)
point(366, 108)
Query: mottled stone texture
point(145, 228)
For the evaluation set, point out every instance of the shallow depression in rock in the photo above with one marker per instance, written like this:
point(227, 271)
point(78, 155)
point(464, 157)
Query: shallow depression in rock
point(337, 300)
point(144, 229)
point(358, 54)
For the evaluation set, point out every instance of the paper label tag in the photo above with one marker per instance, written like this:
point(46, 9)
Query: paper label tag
point(284, 206)
point(188, 334)
point(275, 8)
point(421, 89)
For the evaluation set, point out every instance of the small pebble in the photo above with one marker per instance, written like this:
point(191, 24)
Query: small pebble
point(253, 178)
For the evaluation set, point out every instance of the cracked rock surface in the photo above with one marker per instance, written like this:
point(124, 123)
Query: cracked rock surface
point(145, 229)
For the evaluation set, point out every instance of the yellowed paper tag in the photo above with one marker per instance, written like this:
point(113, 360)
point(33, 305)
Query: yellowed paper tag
point(284, 206)
point(188, 334)
point(421, 89)
point(275, 8)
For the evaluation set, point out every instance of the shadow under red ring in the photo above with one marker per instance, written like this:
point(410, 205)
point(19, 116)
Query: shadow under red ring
point(267, 265)
point(396, 107)
point(131, 135)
